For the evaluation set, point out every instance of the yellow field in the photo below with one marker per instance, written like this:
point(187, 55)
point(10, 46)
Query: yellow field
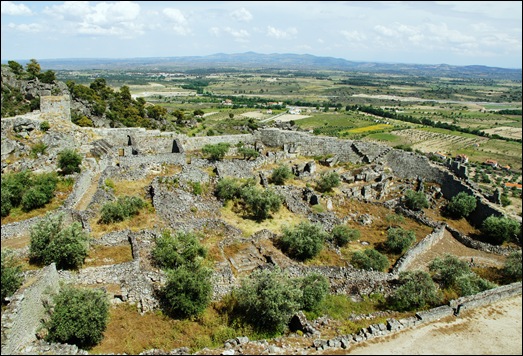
point(370, 128)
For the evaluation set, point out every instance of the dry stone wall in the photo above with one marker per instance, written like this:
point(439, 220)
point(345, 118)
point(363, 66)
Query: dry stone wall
point(23, 316)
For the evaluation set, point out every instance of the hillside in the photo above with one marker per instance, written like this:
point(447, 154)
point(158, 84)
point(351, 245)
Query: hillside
point(282, 61)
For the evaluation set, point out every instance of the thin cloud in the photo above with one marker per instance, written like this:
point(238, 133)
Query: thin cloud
point(241, 14)
point(281, 34)
point(27, 28)
point(9, 8)
point(238, 35)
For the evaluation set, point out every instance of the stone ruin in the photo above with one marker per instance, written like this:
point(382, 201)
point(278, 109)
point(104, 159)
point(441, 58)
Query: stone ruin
point(131, 153)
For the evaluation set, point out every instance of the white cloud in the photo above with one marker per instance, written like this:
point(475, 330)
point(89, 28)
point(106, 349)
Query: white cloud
point(180, 25)
point(175, 15)
point(354, 35)
point(9, 8)
point(241, 15)
point(29, 28)
point(215, 31)
point(281, 34)
point(109, 19)
point(239, 35)
point(69, 10)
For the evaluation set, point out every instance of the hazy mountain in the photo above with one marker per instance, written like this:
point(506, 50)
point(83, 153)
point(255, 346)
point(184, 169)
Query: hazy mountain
point(287, 61)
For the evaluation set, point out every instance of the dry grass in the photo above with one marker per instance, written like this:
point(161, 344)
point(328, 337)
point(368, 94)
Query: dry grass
point(249, 226)
point(130, 332)
point(108, 255)
point(17, 242)
point(146, 219)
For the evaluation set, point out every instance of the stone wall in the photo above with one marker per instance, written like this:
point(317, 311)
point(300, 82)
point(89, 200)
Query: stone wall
point(427, 242)
point(22, 318)
point(57, 107)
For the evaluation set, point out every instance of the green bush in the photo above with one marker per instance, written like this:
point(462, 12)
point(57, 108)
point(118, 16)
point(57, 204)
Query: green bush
point(121, 209)
point(51, 242)
point(69, 161)
point(45, 126)
point(280, 174)
point(12, 276)
point(315, 288)
point(248, 153)
point(216, 152)
point(268, 299)
point(327, 181)
point(15, 186)
point(461, 205)
point(416, 291)
point(80, 317)
point(227, 189)
point(303, 241)
point(172, 251)
point(342, 234)
point(34, 198)
point(500, 229)
point(260, 203)
point(6, 197)
point(512, 267)
point(69, 248)
point(415, 200)
point(188, 291)
point(456, 275)
point(399, 240)
point(370, 259)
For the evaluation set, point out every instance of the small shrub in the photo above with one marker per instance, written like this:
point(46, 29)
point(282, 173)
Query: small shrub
point(216, 152)
point(500, 229)
point(12, 276)
point(327, 181)
point(370, 260)
point(399, 240)
point(512, 268)
point(461, 205)
point(45, 126)
point(260, 203)
point(51, 242)
point(416, 291)
point(188, 291)
point(80, 317)
point(303, 241)
point(172, 251)
point(342, 234)
point(268, 299)
point(280, 174)
point(69, 161)
point(121, 209)
point(227, 189)
point(315, 288)
point(415, 200)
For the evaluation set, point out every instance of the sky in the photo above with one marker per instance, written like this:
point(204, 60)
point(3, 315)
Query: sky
point(415, 32)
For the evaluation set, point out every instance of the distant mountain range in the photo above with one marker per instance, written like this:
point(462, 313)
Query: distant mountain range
point(275, 61)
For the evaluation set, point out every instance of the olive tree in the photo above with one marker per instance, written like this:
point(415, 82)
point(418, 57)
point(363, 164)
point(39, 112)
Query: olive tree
point(267, 299)
point(461, 205)
point(416, 291)
point(79, 317)
point(303, 241)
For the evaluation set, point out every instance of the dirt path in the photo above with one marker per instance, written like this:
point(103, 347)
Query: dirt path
point(88, 195)
point(492, 330)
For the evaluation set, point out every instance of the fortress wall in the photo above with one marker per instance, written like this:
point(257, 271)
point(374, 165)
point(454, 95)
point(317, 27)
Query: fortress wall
point(23, 316)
